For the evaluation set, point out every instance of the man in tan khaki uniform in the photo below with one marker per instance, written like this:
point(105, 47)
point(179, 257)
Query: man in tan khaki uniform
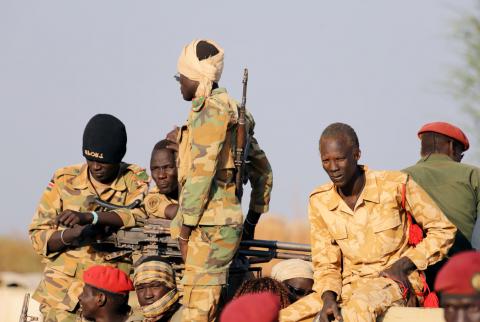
point(362, 260)
point(68, 221)
point(162, 200)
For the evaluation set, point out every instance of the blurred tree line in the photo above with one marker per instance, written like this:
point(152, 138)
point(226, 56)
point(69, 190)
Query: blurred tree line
point(465, 78)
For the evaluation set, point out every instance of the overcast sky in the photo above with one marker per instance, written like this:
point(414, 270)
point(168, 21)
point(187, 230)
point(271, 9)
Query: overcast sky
point(378, 65)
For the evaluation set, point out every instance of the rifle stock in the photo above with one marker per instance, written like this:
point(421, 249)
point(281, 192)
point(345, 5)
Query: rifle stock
point(241, 140)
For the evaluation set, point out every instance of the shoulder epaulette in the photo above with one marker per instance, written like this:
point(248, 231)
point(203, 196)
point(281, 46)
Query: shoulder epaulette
point(139, 172)
point(323, 188)
point(72, 170)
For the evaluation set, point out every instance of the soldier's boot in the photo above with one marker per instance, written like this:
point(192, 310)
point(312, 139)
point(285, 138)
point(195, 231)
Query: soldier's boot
point(54, 315)
point(200, 302)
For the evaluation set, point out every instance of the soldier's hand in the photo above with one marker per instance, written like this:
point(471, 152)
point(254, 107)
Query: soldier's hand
point(70, 218)
point(330, 308)
point(249, 225)
point(185, 232)
point(399, 272)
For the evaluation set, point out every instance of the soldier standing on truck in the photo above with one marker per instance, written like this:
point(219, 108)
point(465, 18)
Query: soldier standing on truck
point(208, 224)
point(68, 222)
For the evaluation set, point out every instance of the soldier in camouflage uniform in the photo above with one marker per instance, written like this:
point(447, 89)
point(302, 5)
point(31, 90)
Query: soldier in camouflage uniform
point(361, 255)
point(209, 220)
point(162, 200)
point(67, 221)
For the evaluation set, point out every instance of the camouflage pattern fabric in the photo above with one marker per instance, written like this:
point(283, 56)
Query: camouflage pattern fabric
point(55, 315)
point(206, 165)
point(210, 253)
point(349, 246)
point(71, 188)
point(207, 198)
point(156, 203)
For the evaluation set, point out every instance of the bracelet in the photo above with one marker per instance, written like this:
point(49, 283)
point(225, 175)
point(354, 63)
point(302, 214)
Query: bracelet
point(95, 217)
point(249, 222)
point(181, 238)
point(61, 238)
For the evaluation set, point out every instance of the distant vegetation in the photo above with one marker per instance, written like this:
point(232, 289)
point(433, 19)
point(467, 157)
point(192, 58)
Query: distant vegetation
point(17, 255)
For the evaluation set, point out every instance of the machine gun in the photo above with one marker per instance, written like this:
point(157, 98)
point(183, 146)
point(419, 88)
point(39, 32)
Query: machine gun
point(152, 238)
point(24, 317)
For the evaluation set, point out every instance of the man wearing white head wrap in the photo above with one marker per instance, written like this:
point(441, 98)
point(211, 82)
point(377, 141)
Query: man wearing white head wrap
point(205, 71)
point(297, 275)
point(208, 223)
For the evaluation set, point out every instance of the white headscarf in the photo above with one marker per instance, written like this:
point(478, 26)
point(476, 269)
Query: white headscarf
point(206, 71)
point(292, 268)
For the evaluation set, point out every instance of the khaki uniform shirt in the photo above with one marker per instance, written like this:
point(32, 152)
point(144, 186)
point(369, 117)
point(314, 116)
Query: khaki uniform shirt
point(156, 203)
point(350, 244)
point(206, 165)
point(71, 188)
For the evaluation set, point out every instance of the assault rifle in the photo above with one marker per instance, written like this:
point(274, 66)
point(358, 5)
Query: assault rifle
point(24, 317)
point(241, 141)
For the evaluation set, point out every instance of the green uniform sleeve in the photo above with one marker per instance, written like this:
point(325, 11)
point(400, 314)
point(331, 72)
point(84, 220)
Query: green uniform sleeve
point(208, 132)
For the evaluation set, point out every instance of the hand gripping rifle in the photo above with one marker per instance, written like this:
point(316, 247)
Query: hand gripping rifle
point(241, 140)
point(24, 317)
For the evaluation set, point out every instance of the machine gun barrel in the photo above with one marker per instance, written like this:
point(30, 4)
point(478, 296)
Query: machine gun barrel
point(273, 244)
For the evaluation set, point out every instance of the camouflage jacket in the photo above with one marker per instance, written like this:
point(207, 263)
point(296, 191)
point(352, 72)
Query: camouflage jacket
point(206, 164)
point(351, 244)
point(71, 188)
point(156, 203)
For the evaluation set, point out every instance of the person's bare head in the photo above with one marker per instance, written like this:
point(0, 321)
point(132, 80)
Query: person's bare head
point(433, 142)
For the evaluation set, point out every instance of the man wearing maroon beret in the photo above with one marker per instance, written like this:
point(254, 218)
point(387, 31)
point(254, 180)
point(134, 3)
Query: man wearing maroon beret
point(454, 186)
point(105, 294)
point(458, 283)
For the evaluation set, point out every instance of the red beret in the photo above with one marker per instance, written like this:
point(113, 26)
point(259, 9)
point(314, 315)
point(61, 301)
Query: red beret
point(446, 129)
point(460, 275)
point(259, 307)
point(108, 278)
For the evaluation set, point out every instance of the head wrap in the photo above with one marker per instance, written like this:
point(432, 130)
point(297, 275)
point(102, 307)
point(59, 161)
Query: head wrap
point(259, 307)
point(206, 71)
point(446, 129)
point(105, 139)
point(154, 271)
point(292, 268)
point(460, 275)
point(108, 278)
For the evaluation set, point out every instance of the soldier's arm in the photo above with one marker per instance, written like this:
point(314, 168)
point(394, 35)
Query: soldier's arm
point(476, 228)
point(260, 176)
point(43, 225)
point(208, 127)
point(440, 232)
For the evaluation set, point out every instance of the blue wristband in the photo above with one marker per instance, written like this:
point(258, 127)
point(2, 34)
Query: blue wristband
point(95, 217)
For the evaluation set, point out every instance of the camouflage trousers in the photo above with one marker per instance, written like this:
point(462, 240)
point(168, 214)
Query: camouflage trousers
point(361, 301)
point(55, 315)
point(210, 252)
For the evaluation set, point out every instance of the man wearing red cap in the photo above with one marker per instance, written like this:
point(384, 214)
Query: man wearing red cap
point(454, 186)
point(458, 283)
point(105, 294)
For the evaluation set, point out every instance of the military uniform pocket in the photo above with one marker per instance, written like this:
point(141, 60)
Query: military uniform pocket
point(388, 233)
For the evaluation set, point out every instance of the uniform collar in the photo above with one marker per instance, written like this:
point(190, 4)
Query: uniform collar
point(82, 181)
point(435, 157)
point(370, 191)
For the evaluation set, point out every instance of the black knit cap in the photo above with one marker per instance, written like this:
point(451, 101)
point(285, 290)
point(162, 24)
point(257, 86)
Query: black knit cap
point(105, 139)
